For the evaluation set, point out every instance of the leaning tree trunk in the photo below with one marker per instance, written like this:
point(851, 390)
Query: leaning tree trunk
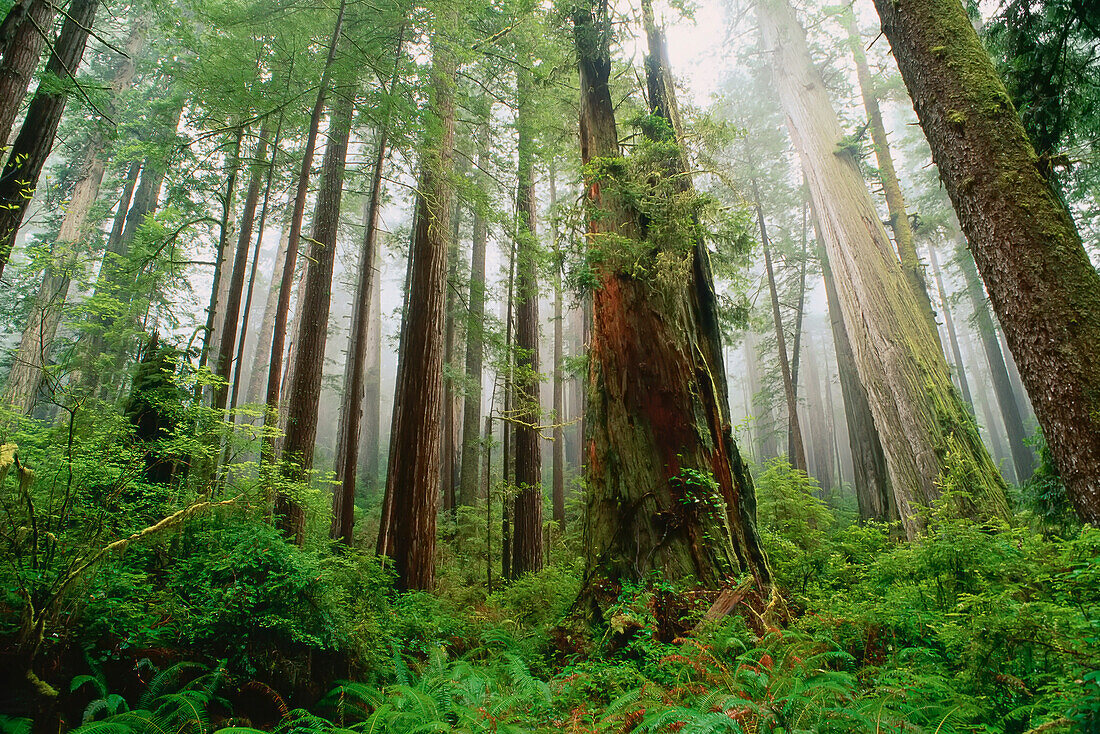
point(927, 433)
point(527, 546)
point(304, 392)
point(22, 34)
point(1023, 458)
point(468, 484)
point(37, 340)
point(874, 497)
point(667, 487)
point(413, 477)
point(891, 187)
point(35, 140)
point(1044, 290)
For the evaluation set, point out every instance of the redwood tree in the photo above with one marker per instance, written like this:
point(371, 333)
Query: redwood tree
point(667, 488)
point(35, 140)
point(413, 479)
point(927, 432)
point(304, 392)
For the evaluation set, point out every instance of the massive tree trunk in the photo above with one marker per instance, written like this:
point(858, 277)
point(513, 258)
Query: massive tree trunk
point(527, 553)
point(558, 479)
point(66, 255)
point(891, 187)
point(278, 332)
point(667, 488)
point(926, 430)
point(874, 497)
point(413, 477)
point(1023, 458)
point(952, 334)
point(1044, 290)
point(227, 342)
point(304, 392)
point(35, 140)
point(469, 485)
point(794, 428)
point(351, 409)
point(22, 34)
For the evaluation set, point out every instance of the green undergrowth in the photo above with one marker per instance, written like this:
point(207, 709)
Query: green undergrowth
point(223, 626)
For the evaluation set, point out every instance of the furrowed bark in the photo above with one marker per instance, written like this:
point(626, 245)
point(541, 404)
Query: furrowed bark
point(413, 478)
point(1044, 289)
point(35, 140)
point(304, 392)
point(927, 432)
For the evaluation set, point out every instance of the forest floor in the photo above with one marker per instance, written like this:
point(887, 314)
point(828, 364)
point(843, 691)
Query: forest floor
point(226, 627)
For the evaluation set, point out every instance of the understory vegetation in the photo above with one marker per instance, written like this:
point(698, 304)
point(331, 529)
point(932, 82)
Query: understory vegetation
point(215, 622)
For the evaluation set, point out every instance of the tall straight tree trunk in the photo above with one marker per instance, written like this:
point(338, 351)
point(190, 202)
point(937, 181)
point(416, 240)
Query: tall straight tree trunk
point(926, 430)
point(448, 470)
point(36, 343)
point(1044, 289)
point(219, 289)
point(1023, 459)
point(507, 431)
point(891, 187)
point(468, 484)
point(35, 140)
point(257, 378)
point(386, 545)
point(304, 392)
point(351, 413)
point(952, 334)
point(351, 410)
point(227, 344)
point(794, 428)
point(527, 554)
point(667, 488)
point(821, 434)
point(278, 332)
point(126, 197)
point(799, 318)
point(21, 38)
point(246, 310)
point(370, 447)
point(558, 479)
point(766, 425)
point(874, 497)
point(413, 477)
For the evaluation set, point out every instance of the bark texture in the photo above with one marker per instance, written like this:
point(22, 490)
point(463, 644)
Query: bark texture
point(667, 487)
point(527, 552)
point(36, 342)
point(468, 484)
point(35, 140)
point(874, 496)
point(304, 392)
point(891, 187)
point(926, 431)
point(21, 40)
point(413, 477)
point(1044, 290)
